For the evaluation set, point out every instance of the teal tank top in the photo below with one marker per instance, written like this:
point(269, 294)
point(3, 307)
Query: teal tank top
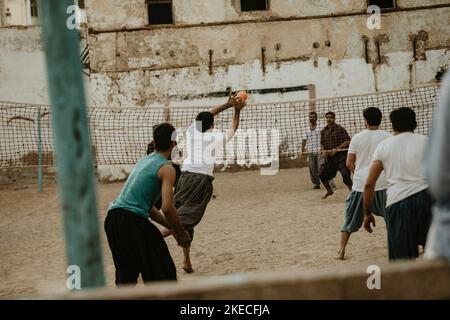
point(142, 188)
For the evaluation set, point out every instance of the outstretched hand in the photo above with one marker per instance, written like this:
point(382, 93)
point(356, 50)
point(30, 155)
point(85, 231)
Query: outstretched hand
point(232, 99)
point(235, 101)
point(240, 104)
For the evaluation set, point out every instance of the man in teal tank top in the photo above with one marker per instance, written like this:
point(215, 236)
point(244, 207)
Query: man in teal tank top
point(136, 244)
point(143, 188)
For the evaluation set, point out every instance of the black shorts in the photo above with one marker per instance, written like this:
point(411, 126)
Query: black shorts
point(330, 168)
point(137, 247)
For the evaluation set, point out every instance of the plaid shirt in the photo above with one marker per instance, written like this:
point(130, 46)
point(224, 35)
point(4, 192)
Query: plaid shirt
point(332, 137)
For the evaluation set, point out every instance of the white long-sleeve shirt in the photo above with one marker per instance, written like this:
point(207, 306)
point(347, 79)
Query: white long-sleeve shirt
point(437, 154)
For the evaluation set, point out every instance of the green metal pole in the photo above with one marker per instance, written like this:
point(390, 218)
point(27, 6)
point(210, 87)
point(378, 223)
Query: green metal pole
point(72, 143)
point(39, 136)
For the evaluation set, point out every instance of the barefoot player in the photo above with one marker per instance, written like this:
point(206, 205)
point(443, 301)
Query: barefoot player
point(136, 244)
point(408, 204)
point(359, 159)
point(194, 189)
point(334, 141)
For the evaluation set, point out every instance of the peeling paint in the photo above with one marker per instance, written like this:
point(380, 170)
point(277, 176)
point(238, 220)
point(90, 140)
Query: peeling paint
point(336, 53)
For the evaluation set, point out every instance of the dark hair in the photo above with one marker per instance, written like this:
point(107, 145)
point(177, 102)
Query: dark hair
point(206, 120)
point(313, 113)
point(373, 116)
point(162, 136)
point(403, 119)
point(150, 147)
point(330, 113)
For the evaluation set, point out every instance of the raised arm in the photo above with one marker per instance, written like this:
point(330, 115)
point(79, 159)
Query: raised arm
point(232, 100)
point(167, 176)
point(238, 106)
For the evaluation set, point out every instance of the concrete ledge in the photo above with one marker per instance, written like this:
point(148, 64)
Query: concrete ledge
point(420, 279)
point(11, 176)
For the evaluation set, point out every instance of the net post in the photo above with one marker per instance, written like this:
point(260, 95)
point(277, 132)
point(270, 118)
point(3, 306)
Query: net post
point(39, 137)
point(72, 143)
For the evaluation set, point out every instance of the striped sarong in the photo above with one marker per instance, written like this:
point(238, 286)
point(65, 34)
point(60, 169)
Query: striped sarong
point(192, 195)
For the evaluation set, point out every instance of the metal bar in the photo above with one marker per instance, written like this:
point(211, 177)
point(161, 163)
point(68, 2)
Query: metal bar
point(263, 60)
point(210, 53)
point(72, 143)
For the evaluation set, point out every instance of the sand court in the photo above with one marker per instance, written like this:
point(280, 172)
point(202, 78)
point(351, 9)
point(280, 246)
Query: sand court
point(256, 223)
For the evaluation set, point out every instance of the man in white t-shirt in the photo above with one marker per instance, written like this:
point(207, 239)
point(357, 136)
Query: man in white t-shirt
point(311, 145)
point(359, 159)
point(408, 204)
point(194, 189)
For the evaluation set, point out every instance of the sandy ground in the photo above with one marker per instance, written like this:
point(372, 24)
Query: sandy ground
point(257, 223)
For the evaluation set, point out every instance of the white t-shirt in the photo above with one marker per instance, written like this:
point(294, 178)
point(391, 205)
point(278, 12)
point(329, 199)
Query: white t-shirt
point(312, 138)
point(402, 156)
point(202, 149)
point(363, 145)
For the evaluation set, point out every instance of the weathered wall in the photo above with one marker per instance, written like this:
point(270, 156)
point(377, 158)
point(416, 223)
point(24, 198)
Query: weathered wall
point(2, 12)
point(146, 67)
point(151, 66)
point(193, 64)
point(229, 10)
point(22, 66)
point(106, 14)
point(418, 3)
point(19, 13)
point(113, 14)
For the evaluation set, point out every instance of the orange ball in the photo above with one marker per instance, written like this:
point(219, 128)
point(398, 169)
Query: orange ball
point(242, 95)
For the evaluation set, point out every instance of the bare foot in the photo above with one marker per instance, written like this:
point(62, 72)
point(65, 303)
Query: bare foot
point(187, 268)
point(166, 232)
point(341, 255)
point(328, 194)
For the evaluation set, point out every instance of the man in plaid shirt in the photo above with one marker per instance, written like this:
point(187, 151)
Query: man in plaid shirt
point(334, 141)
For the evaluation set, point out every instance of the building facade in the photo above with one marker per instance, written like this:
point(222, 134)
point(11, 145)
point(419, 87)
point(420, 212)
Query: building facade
point(18, 12)
point(146, 53)
point(279, 49)
point(22, 60)
point(151, 52)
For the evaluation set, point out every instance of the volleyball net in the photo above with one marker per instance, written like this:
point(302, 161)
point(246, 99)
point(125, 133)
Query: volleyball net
point(120, 136)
